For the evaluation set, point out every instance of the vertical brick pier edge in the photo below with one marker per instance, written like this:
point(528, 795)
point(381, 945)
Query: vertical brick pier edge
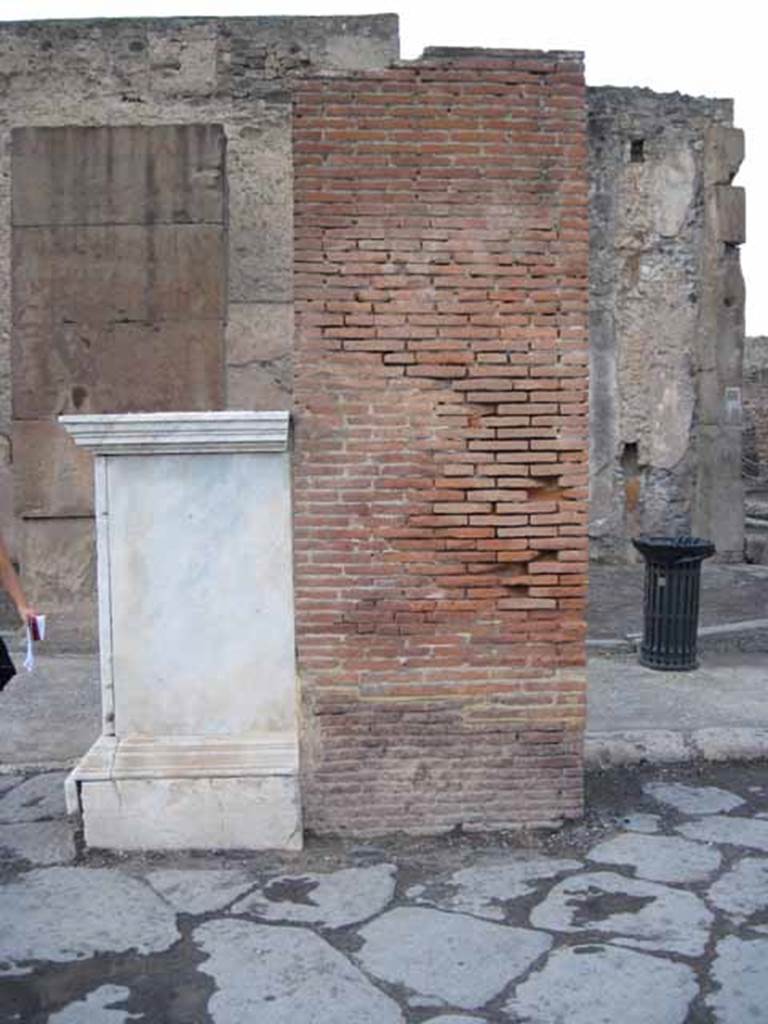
point(441, 457)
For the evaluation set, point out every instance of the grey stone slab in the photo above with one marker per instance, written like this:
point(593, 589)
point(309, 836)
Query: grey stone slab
point(39, 842)
point(724, 153)
point(454, 1018)
point(98, 1007)
point(659, 858)
point(743, 890)
point(41, 796)
point(69, 913)
point(118, 175)
point(644, 915)
point(640, 822)
point(485, 889)
point(693, 799)
point(199, 891)
point(598, 984)
point(7, 782)
point(740, 972)
point(749, 832)
point(730, 203)
point(451, 957)
point(334, 900)
point(275, 975)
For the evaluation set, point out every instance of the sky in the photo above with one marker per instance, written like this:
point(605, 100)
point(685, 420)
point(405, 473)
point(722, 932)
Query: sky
point(699, 48)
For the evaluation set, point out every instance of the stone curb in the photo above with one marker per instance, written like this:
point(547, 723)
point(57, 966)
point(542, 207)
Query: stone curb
point(667, 746)
point(602, 750)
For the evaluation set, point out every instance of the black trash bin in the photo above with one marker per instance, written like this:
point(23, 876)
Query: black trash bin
point(671, 604)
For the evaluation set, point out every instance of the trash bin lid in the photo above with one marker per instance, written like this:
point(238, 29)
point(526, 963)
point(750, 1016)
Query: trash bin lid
point(673, 549)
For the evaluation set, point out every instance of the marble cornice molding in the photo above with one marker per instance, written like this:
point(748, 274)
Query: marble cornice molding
point(179, 433)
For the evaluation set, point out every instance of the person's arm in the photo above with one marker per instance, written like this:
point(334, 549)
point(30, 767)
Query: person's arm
point(12, 585)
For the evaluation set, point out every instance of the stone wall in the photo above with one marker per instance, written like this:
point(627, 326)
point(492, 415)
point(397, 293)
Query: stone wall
point(756, 412)
point(667, 320)
point(236, 74)
point(441, 478)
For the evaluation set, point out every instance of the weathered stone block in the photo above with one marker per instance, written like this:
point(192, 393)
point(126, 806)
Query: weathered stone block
point(52, 476)
point(724, 154)
point(259, 332)
point(118, 272)
point(118, 175)
point(731, 214)
point(79, 292)
point(259, 347)
point(159, 367)
point(260, 388)
point(58, 570)
point(261, 209)
point(259, 355)
point(718, 510)
point(181, 814)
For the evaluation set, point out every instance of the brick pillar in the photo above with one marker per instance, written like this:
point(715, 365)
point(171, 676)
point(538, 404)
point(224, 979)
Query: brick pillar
point(441, 462)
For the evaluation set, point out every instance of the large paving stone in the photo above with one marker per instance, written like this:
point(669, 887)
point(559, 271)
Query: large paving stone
point(41, 796)
point(644, 915)
point(602, 985)
point(454, 1018)
point(39, 842)
point(693, 799)
point(64, 914)
point(333, 900)
point(740, 970)
point(201, 891)
point(275, 975)
point(743, 890)
point(659, 858)
point(748, 832)
point(450, 957)
point(484, 890)
point(98, 1007)
point(7, 782)
point(640, 822)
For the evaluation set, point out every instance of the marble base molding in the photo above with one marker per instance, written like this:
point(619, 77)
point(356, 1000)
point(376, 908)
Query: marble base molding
point(199, 744)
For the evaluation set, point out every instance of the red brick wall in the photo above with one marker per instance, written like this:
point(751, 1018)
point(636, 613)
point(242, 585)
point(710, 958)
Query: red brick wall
point(441, 465)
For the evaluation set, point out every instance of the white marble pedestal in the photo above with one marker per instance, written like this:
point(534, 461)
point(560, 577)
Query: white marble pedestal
point(199, 744)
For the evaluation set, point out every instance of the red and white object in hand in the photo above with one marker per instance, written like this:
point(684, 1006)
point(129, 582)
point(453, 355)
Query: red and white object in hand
point(35, 632)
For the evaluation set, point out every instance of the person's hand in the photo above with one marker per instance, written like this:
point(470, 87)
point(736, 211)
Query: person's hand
point(26, 613)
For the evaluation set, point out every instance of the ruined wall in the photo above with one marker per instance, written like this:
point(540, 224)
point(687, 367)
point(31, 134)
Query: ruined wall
point(233, 73)
point(440, 493)
point(756, 412)
point(666, 320)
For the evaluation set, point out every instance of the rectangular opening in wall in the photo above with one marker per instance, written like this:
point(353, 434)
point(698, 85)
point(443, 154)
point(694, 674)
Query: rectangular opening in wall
point(637, 151)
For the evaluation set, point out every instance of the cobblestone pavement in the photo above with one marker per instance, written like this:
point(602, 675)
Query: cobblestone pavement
point(652, 910)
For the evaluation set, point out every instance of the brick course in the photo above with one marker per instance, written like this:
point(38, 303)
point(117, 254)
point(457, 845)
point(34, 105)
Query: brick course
point(441, 467)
